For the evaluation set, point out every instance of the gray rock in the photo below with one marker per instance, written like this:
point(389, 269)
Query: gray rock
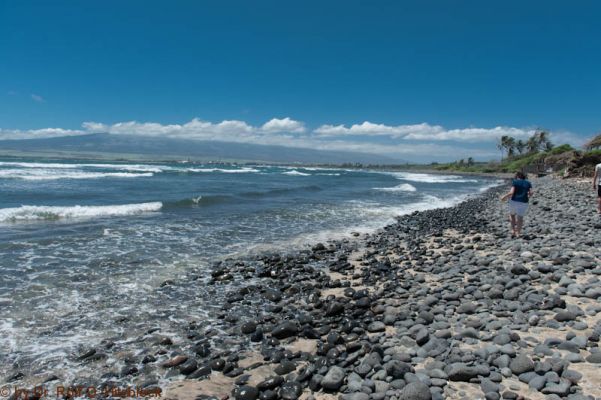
point(397, 369)
point(463, 372)
point(526, 377)
point(355, 396)
point(522, 363)
point(502, 339)
point(381, 386)
point(246, 393)
point(594, 358)
point(333, 379)
point(469, 333)
point(502, 361)
point(508, 349)
point(572, 376)
point(569, 346)
point(537, 383)
point(561, 389)
point(574, 358)
point(488, 386)
point(416, 391)
point(376, 326)
point(290, 390)
point(363, 369)
point(565, 315)
point(578, 396)
point(285, 330)
point(422, 337)
point(492, 396)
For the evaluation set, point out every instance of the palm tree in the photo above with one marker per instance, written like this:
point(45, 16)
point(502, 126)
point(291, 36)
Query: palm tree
point(543, 140)
point(507, 143)
point(594, 143)
point(501, 145)
point(520, 146)
point(470, 161)
point(510, 146)
point(532, 144)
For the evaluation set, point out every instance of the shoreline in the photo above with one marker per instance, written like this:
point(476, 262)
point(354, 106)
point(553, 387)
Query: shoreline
point(335, 362)
point(311, 323)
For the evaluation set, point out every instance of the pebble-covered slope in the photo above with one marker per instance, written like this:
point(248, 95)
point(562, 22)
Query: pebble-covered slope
point(443, 304)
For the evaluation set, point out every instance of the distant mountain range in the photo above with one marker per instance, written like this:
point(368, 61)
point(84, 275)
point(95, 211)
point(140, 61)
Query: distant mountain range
point(107, 145)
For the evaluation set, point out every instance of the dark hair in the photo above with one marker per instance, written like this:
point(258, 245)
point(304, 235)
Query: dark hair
point(520, 175)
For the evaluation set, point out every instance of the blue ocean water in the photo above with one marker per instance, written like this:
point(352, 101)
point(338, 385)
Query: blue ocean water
point(83, 243)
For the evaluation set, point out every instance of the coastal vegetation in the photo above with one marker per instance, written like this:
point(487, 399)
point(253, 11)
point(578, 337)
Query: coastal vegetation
point(537, 154)
point(594, 143)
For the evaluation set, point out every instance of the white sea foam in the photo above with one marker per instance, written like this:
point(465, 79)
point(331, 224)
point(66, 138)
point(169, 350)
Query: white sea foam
point(295, 173)
point(130, 167)
point(374, 216)
point(121, 167)
point(37, 165)
point(498, 182)
point(54, 174)
point(223, 170)
point(57, 169)
point(320, 169)
point(403, 187)
point(431, 178)
point(383, 215)
point(32, 213)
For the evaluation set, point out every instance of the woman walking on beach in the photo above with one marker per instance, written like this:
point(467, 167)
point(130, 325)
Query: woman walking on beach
point(597, 186)
point(521, 190)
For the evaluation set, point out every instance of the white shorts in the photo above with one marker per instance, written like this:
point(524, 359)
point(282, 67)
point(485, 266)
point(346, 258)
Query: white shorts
point(517, 207)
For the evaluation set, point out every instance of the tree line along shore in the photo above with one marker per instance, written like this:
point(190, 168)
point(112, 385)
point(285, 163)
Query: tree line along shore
point(535, 155)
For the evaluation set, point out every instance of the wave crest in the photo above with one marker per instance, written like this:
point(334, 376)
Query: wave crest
point(223, 170)
point(295, 173)
point(403, 187)
point(431, 178)
point(49, 213)
point(50, 175)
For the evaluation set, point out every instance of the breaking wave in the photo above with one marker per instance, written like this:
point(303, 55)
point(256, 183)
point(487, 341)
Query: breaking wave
point(223, 170)
point(403, 187)
point(431, 178)
point(295, 173)
point(50, 175)
point(49, 213)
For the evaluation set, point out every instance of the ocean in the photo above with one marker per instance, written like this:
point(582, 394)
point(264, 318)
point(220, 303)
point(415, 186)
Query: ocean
point(86, 247)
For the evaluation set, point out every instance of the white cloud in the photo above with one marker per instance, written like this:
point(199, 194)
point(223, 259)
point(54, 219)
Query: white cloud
point(472, 134)
point(423, 131)
point(228, 130)
point(37, 98)
point(283, 125)
point(561, 137)
point(195, 129)
point(241, 132)
point(370, 129)
point(405, 141)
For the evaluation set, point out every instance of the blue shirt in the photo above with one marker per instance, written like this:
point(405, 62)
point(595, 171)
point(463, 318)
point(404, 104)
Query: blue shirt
point(521, 188)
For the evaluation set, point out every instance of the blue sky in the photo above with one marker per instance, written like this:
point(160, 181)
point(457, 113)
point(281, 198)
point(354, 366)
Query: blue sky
point(431, 79)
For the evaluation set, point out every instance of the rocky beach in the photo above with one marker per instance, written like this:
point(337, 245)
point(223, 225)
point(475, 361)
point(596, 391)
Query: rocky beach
point(442, 304)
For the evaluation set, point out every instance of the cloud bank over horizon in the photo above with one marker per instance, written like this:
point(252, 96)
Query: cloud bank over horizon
point(416, 140)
